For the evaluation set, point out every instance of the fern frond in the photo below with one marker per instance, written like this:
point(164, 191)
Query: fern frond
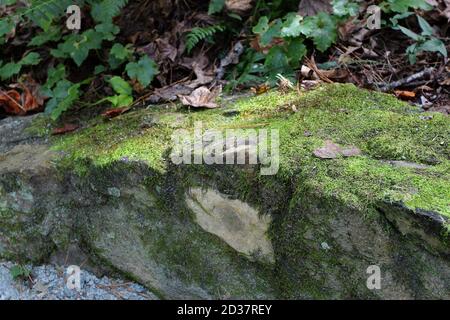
point(198, 34)
point(103, 11)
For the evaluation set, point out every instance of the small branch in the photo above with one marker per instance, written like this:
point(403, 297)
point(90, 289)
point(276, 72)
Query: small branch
point(14, 101)
point(311, 63)
point(414, 77)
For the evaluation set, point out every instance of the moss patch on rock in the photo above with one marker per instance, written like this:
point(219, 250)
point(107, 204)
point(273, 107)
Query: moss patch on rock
point(382, 127)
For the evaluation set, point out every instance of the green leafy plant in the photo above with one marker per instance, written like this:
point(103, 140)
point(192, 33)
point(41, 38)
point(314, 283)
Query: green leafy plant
point(124, 92)
point(103, 11)
point(63, 96)
point(45, 17)
point(248, 71)
point(20, 272)
point(216, 6)
point(198, 34)
point(293, 29)
point(322, 29)
point(285, 35)
point(403, 6)
point(426, 41)
point(119, 54)
point(143, 71)
point(343, 8)
point(77, 46)
point(12, 68)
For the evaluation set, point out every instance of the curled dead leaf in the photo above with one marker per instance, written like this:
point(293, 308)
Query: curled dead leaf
point(239, 6)
point(22, 101)
point(202, 97)
point(10, 102)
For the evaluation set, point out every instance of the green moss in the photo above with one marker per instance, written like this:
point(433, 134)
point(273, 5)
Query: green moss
point(383, 127)
point(40, 127)
point(22, 240)
point(104, 142)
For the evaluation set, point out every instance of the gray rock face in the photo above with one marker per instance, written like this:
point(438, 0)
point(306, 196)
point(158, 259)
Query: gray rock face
point(234, 221)
point(12, 132)
point(202, 238)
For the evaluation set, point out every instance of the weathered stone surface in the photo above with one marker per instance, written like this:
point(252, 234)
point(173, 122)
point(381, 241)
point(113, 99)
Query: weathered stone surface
point(110, 194)
point(234, 221)
point(12, 132)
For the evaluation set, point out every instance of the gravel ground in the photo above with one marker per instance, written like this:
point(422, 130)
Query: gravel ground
point(49, 283)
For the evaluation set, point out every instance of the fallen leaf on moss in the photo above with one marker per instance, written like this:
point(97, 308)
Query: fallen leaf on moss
point(112, 113)
point(260, 89)
point(65, 129)
point(202, 97)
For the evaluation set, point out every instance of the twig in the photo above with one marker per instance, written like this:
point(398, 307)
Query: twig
point(20, 106)
point(414, 77)
point(311, 63)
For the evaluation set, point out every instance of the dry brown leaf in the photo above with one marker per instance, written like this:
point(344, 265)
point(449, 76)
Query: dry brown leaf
point(263, 88)
point(169, 93)
point(347, 28)
point(65, 129)
point(239, 6)
point(10, 102)
point(202, 97)
point(445, 82)
point(311, 63)
point(26, 99)
point(405, 95)
point(312, 7)
point(112, 113)
point(338, 74)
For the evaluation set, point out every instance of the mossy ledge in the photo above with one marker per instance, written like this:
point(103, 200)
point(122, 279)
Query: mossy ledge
point(114, 189)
